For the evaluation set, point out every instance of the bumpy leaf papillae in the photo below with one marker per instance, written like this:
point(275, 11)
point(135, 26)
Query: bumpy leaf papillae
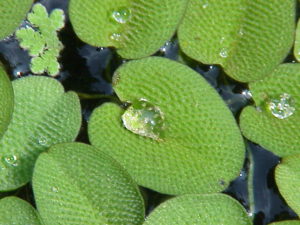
point(137, 28)
point(262, 124)
point(14, 210)
point(287, 175)
point(42, 42)
point(191, 157)
point(43, 115)
point(6, 101)
point(244, 36)
point(199, 209)
point(287, 222)
point(75, 183)
point(12, 14)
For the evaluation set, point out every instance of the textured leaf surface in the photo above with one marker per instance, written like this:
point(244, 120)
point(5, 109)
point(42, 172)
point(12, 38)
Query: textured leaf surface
point(199, 209)
point(12, 14)
point(143, 27)
point(194, 155)
point(287, 175)
point(15, 211)
point(43, 115)
point(261, 126)
point(297, 43)
point(6, 100)
point(76, 183)
point(249, 38)
point(287, 222)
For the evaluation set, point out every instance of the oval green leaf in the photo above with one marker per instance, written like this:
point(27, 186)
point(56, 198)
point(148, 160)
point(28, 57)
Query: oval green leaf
point(199, 148)
point(287, 176)
point(137, 28)
point(77, 184)
point(12, 14)
point(286, 222)
point(248, 38)
point(6, 101)
point(297, 42)
point(16, 211)
point(274, 129)
point(199, 209)
point(43, 115)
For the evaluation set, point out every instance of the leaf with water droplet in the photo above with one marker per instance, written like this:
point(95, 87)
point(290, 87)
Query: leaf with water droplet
point(143, 25)
point(12, 14)
point(199, 209)
point(144, 119)
point(257, 35)
point(287, 176)
point(78, 178)
point(188, 136)
point(15, 211)
point(42, 116)
point(275, 126)
point(6, 101)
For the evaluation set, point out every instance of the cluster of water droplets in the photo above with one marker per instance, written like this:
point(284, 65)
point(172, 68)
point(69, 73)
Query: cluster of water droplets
point(282, 107)
point(121, 16)
point(145, 119)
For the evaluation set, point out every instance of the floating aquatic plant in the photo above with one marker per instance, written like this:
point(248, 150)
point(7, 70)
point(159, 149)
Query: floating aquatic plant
point(41, 39)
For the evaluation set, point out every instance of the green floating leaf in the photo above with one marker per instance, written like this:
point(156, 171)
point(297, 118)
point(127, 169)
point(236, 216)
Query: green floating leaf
point(273, 122)
point(12, 13)
point(199, 209)
point(43, 115)
point(286, 222)
point(75, 183)
point(15, 211)
point(297, 42)
point(137, 28)
point(249, 38)
point(174, 138)
point(43, 43)
point(6, 101)
point(287, 175)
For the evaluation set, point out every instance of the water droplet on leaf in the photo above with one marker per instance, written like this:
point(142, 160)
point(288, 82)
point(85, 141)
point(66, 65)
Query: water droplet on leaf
point(223, 53)
point(115, 37)
point(204, 6)
point(42, 141)
point(282, 107)
point(122, 15)
point(11, 160)
point(54, 189)
point(144, 119)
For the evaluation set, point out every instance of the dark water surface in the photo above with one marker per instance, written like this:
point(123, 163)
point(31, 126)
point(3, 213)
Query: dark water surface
point(88, 70)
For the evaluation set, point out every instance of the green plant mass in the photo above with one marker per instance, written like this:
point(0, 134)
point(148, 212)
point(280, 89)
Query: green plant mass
point(41, 40)
point(149, 112)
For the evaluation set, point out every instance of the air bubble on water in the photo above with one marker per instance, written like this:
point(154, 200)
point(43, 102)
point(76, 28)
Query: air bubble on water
point(115, 37)
point(144, 119)
point(282, 107)
point(54, 189)
point(121, 15)
point(165, 46)
point(247, 94)
point(224, 53)
point(11, 160)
